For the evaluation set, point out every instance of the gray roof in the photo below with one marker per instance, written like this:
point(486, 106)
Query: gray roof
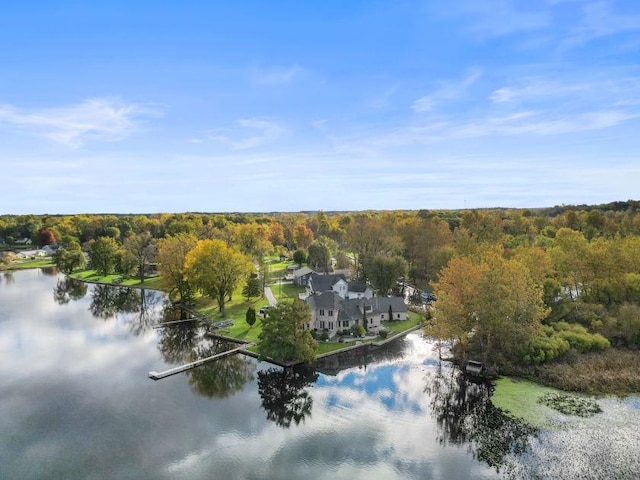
point(323, 283)
point(359, 287)
point(352, 309)
point(302, 271)
point(381, 304)
point(325, 301)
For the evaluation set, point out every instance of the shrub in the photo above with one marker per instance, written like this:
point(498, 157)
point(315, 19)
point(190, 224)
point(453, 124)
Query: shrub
point(325, 336)
point(383, 334)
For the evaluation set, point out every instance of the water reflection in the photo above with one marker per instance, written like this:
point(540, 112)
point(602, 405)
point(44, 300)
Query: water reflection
point(284, 395)
point(68, 289)
point(223, 377)
point(49, 271)
point(187, 342)
point(464, 414)
point(107, 301)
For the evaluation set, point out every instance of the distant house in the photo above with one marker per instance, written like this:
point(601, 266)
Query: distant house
point(31, 253)
point(302, 275)
point(331, 312)
point(51, 249)
point(24, 241)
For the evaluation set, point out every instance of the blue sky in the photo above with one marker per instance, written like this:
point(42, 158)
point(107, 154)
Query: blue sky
point(144, 106)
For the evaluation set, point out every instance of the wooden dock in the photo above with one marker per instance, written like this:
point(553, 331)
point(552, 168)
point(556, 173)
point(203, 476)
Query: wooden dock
point(175, 322)
point(172, 371)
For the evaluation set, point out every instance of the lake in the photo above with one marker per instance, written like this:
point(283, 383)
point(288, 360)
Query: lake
point(76, 403)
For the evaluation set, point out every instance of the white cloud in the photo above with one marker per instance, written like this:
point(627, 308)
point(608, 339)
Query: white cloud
point(73, 125)
point(236, 139)
point(445, 92)
point(494, 18)
point(273, 76)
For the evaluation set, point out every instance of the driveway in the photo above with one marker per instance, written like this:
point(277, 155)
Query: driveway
point(268, 294)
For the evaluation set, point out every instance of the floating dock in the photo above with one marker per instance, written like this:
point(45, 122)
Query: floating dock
point(172, 371)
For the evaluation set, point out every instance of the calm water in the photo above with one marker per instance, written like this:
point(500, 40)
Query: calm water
point(75, 402)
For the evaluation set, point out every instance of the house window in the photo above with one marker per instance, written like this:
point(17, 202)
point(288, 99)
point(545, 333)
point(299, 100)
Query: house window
point(321, 324)
point(330, 325)
point(330, 312)
point(367, 308)
point(322, 312)
point(398, 316)
point(371, 321)
point(345, 323)
point(382, 316)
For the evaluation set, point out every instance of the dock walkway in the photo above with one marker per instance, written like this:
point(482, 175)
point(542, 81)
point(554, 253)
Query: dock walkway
point(172, 371)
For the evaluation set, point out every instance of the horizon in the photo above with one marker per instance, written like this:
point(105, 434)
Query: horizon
point(288, 107)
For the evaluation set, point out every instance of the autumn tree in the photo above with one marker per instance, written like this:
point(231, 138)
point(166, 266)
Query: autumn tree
point(172, 253)
point(216, 269)
point(46, 237)
point(491, 308)
point(368, 236)
point(302, 236)
point(428, 246)
point(283, 337)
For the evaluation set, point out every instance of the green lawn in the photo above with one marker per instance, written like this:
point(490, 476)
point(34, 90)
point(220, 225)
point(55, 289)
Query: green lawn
point(398, 327)
point(152, 283)
point(286, 291)
point(26, 264)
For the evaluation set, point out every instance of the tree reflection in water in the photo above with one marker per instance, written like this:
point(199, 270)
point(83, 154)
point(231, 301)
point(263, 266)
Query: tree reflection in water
point(186, 342)
point(283, 394)
point(464, 414)
point(223, 377)
point(68, 289)
point(107, 301)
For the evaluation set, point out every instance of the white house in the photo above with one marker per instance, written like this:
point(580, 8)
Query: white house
point(31, 253)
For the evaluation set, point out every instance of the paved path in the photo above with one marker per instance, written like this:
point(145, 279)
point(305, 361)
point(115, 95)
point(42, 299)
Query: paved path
point(268, 294)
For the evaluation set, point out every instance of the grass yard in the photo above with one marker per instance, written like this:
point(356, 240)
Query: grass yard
point(151, 283)
point(404, 325)
point(27, 264)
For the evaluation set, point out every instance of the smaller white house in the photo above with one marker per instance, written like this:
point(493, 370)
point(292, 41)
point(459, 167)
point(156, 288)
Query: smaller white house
point(31, 253)
point(24, 241)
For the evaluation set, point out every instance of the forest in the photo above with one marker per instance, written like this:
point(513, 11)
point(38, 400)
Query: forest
point(551, 293)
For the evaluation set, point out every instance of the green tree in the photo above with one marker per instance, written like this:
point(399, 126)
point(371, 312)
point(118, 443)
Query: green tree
point(143, 248)
point(383, 271)
point(102, 255)
point(319, 256)
point(216, 269)
point(69, 260)
point(283, 337)
point(250, 316)
point(299, 257)
point(253, 287)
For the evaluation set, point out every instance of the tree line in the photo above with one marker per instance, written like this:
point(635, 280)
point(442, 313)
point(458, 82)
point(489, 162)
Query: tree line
point(513, 286)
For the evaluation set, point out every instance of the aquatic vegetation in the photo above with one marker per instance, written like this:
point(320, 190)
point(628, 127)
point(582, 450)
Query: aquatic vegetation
point(570, 404)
